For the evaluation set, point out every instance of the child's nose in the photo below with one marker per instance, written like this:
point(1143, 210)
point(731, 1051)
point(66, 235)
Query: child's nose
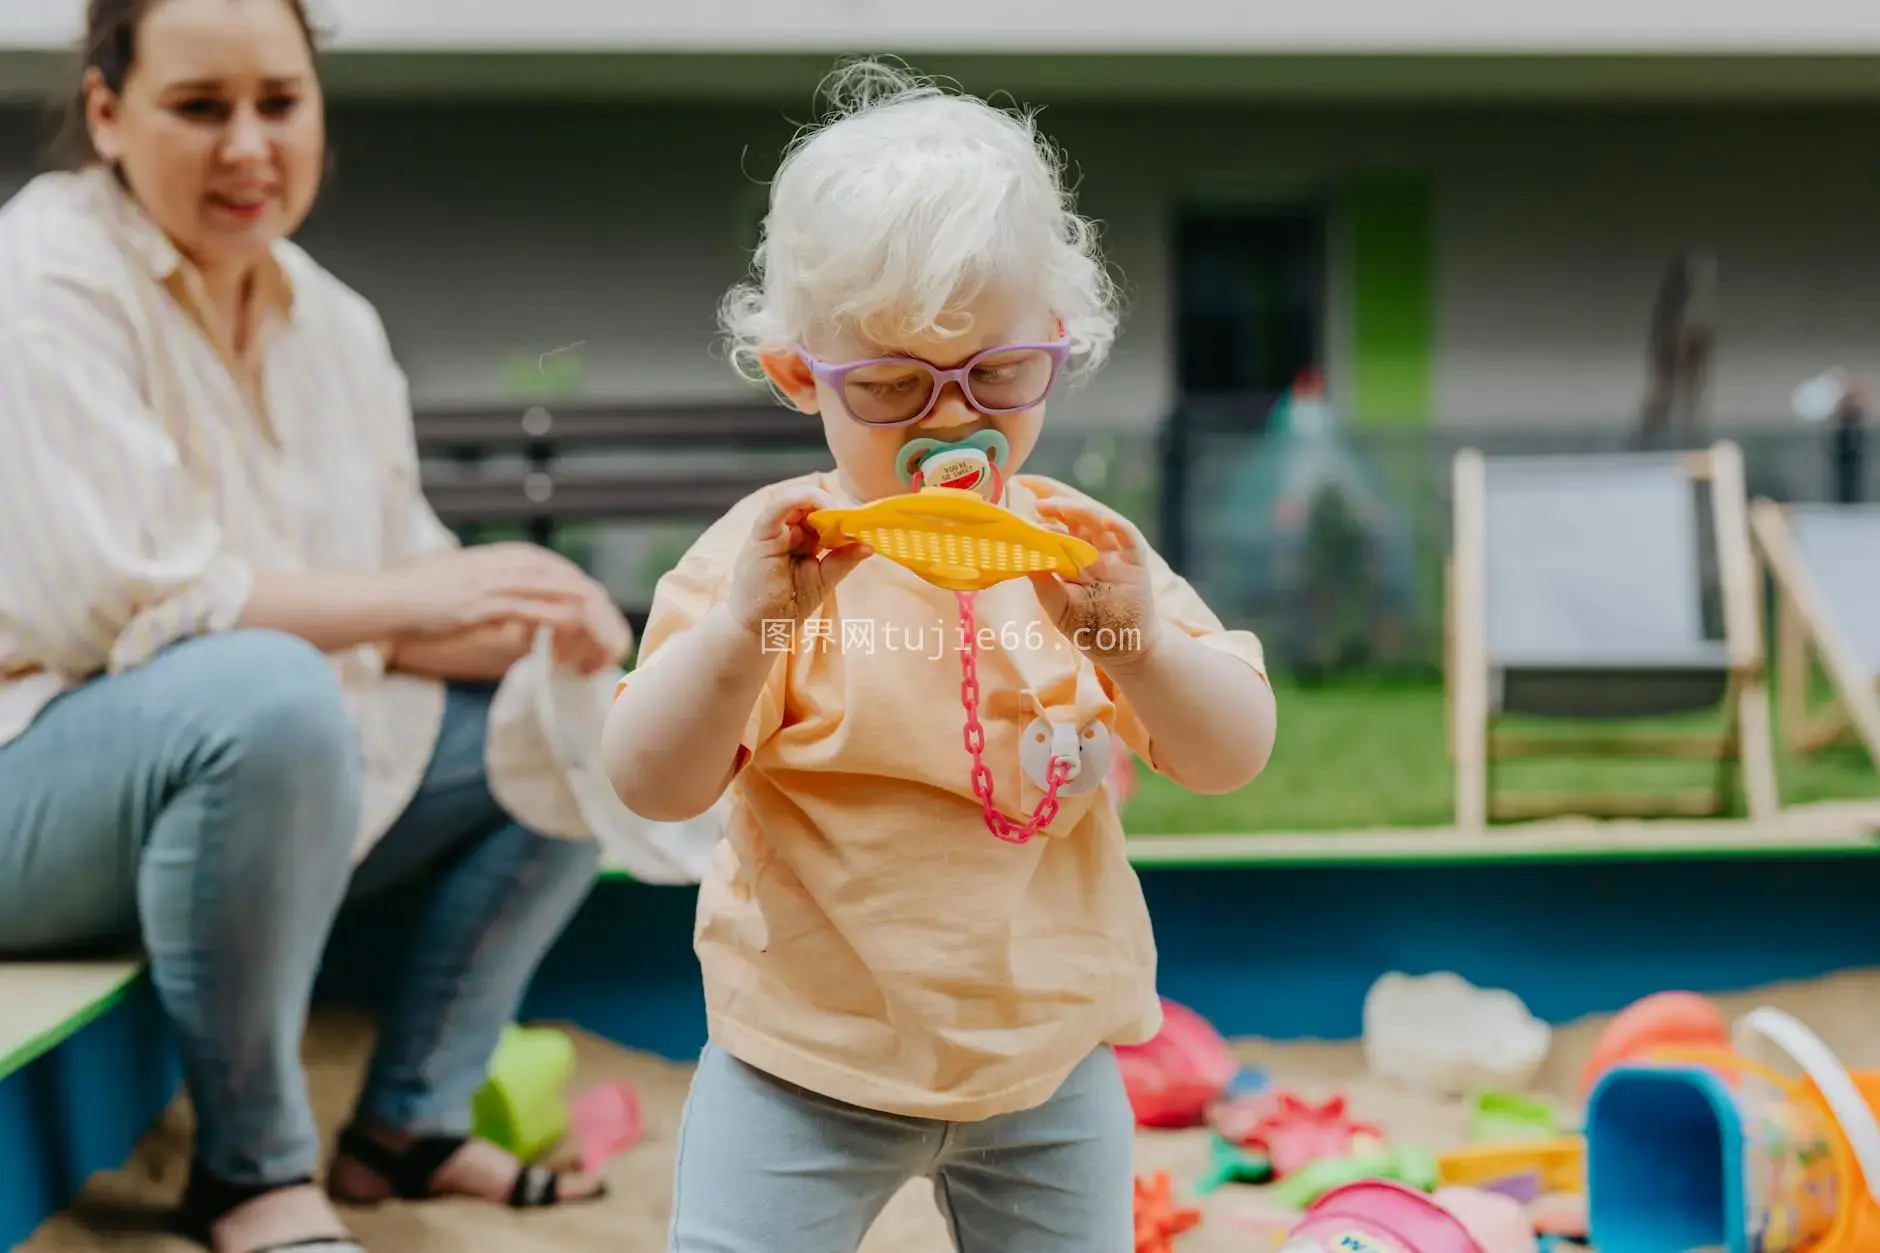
point(950, 410)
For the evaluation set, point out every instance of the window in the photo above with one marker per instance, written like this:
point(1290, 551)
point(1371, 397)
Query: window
point(1250, 296)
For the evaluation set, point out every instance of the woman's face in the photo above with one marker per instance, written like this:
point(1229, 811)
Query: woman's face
point(219, 128)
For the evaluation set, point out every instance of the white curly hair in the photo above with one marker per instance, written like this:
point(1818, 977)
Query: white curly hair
point(903, 206)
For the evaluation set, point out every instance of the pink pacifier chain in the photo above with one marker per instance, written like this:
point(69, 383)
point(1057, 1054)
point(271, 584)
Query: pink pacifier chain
point(986, 450)
point(1008, 829)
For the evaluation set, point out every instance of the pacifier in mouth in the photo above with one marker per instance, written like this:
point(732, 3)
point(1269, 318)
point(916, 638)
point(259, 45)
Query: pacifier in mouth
point(971, 464)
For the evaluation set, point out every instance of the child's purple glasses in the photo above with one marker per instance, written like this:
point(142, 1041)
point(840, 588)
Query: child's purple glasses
point(900, 391)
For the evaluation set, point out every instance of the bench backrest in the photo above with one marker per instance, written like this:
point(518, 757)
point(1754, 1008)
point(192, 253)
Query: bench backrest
point(1596, 562)
point(543, 467)
point(1840, 545)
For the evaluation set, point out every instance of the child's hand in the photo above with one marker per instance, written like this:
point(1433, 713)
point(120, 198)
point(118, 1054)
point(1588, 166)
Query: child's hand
point(779, 575)
point(1108, 610)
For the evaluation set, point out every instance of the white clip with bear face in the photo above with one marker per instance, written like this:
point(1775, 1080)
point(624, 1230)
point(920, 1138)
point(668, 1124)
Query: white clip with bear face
point(1087, 749)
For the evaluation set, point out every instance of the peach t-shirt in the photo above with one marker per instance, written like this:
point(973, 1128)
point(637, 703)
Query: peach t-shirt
point(861, 933)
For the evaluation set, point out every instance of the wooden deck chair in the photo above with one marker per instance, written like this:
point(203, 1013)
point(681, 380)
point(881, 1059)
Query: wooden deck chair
point(1825, 561)
point(1577, 592)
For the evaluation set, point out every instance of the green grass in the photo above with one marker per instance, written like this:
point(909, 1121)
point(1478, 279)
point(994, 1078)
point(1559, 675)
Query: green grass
point(1356, 755)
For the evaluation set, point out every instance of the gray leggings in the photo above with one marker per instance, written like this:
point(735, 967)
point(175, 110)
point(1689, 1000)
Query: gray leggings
point(767, 1167)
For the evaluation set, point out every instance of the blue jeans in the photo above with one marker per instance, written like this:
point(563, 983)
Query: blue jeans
point(208, 802)
point(767, 1167)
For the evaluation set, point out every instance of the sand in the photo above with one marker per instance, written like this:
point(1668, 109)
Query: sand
point(126, 1209)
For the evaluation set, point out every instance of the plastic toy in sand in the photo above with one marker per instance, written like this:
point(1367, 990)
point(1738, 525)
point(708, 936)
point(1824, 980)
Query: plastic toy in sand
point(1406, 1164)
point(1256, 1214)
point(605, 1121)
point(1232, 1164)
point(951, 531)
point(1178, 1074)
point(1499, 1223)
point(1234, 1118)
point(1512, 1118)
point(1158, 1218)
point(1559, 1165)
point(1560, 1216)
point(1378, 1216)
point(1519, 1151)
point(1441, 1035)
point(1767, 1146)
point(1241, 1106)
point(1247, 1081)
point(522, 1104)
point(1660, 1021)
point(1293, 1132)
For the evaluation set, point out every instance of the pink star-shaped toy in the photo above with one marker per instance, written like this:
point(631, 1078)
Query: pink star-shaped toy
point(1293, 1132)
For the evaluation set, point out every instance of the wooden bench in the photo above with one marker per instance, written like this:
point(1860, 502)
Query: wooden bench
point(42, 1004)
point(680, 463)
point(86, 1065)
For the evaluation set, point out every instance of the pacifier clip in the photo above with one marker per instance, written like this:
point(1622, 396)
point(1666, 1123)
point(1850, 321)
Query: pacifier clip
point(1056, 775)
point(973, 465)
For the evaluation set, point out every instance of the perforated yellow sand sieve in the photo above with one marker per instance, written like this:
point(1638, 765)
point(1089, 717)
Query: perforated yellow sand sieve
point(953, 539)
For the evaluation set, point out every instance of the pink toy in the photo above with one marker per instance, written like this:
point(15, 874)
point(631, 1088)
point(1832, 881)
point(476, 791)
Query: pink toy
point(1499, 1223)
point(1258, 1214)
point(604, 1121)
point(1235, 1118)
point(1294, 1133)
point(1173, 1078)
point(1379, 1217)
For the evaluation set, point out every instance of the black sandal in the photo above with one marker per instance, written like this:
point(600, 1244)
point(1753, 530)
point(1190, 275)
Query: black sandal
point(409, 1171)
point(207, 1200)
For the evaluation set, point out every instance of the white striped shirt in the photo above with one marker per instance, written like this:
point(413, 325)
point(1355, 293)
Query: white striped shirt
point(147, 473)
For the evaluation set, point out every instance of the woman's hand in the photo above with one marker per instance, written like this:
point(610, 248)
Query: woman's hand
point(450, 591)
point(779, 575)
point(1108, 610)
point(603, 639)
point(466, 607)
point(480, 653)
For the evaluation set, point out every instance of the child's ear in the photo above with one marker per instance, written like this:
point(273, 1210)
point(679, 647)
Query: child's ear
point(791, 376)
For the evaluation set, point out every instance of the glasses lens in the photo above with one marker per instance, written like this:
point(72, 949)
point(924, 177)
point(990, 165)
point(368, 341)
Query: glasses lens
point(1017, 379)
point(886, 393)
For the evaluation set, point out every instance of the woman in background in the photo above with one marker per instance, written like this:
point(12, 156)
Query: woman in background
point(245, 674)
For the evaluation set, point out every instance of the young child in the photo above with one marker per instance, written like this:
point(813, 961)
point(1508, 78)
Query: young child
point(899, 981)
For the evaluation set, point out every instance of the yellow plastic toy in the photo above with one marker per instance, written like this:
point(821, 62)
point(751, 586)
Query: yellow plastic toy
point(954, 539)
point(1560, 1163)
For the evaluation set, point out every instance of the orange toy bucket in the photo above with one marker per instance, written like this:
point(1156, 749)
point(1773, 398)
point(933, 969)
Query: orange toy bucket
point(1701, 1146)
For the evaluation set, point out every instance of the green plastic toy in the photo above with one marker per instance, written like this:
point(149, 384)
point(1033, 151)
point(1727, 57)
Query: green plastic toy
point(1405, 1164)
point(1233, 1164)
point(1512, 1118)
point(523, 1105)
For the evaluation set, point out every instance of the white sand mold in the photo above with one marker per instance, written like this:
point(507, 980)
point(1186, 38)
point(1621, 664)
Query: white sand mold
point(1442, 1036)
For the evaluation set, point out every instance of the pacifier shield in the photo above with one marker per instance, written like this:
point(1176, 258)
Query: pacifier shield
point(964, 469)
point(916, 453)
